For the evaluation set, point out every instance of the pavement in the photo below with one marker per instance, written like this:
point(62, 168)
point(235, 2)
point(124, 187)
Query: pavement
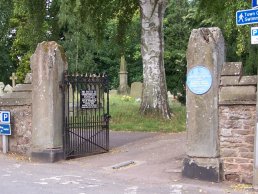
point(138, 163)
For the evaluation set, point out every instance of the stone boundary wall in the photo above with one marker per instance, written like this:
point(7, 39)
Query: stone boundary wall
point(237, 122)
point(19, 104)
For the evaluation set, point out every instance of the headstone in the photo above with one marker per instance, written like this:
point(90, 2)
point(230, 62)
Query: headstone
point(205, 57)
point(171, 96)
point(28, 78)
point(136, 90)
point(113, 92)
point(8, 89)
point(123, 78)
point(13, 78)
point(1, 88)
point(48, 64)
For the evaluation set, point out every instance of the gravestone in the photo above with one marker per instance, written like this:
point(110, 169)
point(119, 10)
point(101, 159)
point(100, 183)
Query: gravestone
point(8, 89)
point(123, 78)
point(28, 78)
point(112, 92)
point(205, 57)
point(48, 64)
point(171, 96)
point(1, 88)
point(136, 90)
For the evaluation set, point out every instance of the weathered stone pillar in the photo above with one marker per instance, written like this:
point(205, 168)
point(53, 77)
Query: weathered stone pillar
point(205, 57)
point(48, 64)
point(255, 173)
point(123, 78)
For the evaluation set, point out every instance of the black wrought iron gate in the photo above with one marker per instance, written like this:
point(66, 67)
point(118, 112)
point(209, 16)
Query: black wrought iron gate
point(86, 115)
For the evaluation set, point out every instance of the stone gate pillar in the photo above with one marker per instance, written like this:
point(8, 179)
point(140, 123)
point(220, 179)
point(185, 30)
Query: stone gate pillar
point(205, 57)
point(48, 64)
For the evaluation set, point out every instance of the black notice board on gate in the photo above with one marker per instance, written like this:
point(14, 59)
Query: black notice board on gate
point(88, 99)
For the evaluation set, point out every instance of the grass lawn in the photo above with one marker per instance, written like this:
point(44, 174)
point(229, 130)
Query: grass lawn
point(125, 116)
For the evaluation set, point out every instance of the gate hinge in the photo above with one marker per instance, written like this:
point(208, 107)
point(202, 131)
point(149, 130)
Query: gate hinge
point(107, 117)
point(61, 85)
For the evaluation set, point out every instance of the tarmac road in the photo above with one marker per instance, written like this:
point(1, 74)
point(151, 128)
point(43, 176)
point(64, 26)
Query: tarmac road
point(138, 163)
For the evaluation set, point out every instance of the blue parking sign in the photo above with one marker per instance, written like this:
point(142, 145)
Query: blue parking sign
point(5, 117)
point(254, 35)
point(255, 32)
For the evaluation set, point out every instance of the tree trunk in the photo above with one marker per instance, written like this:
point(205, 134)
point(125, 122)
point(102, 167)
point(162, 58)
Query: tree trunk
point(154, 98)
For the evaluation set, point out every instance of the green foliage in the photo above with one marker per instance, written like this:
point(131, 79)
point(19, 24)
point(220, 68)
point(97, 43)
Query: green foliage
point(5, 13)
point(86, 53)
point(181, 17)
point(23, 68)
point(79, 25)
point(97, 15)
point(125, 116)
point(30, 23)
point(176, 34)
point(6, 65)
point(237, 37)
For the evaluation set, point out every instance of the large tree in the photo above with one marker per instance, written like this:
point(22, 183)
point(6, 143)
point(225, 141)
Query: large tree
point(154, 98)
point(98, 13)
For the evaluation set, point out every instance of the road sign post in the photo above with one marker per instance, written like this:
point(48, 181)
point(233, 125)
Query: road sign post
point(5, 128)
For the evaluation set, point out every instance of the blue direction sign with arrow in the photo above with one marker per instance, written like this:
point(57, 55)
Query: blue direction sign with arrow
point(249, 16)
point(5, 129)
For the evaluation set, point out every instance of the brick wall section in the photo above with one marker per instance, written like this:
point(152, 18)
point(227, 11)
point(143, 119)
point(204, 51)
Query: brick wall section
point(237, 122)
point(237, 125)
point(19, 104)
point(20, 139)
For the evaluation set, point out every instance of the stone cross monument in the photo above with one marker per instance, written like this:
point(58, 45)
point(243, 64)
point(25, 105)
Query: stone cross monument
point(205, 57)
point(13, 78)
point(123, 78)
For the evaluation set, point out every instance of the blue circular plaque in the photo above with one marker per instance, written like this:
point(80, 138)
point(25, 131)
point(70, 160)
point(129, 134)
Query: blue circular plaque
point(199, 80)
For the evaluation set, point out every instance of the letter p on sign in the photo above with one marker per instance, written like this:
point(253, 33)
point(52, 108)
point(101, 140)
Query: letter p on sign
point(255, 32)
point(254, 35)
point(5, 117)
